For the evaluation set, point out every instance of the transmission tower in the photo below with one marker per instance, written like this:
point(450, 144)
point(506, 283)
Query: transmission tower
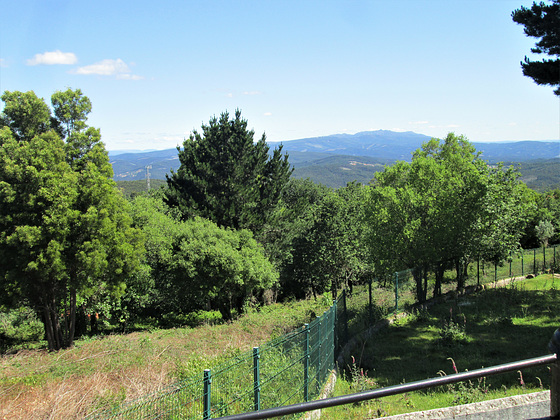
point(148, 176)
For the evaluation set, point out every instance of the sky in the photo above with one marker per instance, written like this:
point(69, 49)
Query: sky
point(156, 71)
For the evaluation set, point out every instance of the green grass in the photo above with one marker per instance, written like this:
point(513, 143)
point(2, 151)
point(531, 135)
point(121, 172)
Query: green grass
point(488, 328)
point(105, 371)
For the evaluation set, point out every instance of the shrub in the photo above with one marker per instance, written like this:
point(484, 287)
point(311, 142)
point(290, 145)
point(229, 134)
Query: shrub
point(453, 332)
point(18, 326)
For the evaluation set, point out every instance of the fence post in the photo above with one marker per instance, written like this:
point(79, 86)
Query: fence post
point(370, 305)
point(510, 261)
point(207, 390)
point(396, 292)
point(535, 261)
point(256, 378)
point(320, 342)
point(554, 347)
point(495, 272)
point(306, 357)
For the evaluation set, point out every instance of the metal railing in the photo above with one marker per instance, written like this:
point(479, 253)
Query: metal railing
point(554, 345)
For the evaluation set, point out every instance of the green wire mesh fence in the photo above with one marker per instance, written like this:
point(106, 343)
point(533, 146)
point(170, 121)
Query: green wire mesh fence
point(365, 304)
point(294, 367)
point(520, 263)
point(288, 370)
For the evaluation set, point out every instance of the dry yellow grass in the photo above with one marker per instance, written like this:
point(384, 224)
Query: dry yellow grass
point(97, 373)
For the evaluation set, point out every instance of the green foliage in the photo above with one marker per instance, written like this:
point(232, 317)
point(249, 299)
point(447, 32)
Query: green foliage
point(542, 21)
point(466, 392)
point(338, 170)
point(131, 189)
point(444, 208)
point(359, 380)
point(544, 231)
point(24, 114)
point(453, 331)
point(540, 175)
point(227, 178)
point(65, 229)
point(70, 110)
point(18, 326)
point(315, 238)
point(194, 262)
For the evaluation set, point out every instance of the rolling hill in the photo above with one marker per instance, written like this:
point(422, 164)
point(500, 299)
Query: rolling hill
point(338, 159)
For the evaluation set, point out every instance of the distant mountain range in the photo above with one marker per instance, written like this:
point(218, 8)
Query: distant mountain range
point(392, 145)
point(340, 158)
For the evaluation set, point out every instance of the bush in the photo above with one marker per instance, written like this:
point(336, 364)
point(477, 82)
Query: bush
point(453, 332)
point(18, 326)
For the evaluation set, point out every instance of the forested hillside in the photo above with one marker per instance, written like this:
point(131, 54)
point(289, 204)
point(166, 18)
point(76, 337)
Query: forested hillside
point(541, 175)
point(337, 160)
point(232, 226)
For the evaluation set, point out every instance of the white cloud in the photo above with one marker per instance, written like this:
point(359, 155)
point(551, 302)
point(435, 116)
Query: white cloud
point(253, 92)
point(104, 68)
point(268, 114)
point(109, 67)
point(53, 57)
point(3, 63)
point(419, 122)
point(127, 76)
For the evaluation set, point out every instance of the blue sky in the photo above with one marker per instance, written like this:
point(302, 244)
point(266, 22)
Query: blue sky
point(155, 71)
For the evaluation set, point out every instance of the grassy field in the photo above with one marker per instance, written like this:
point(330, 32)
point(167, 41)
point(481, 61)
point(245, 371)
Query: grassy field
point(105, 371)
point(490, 327)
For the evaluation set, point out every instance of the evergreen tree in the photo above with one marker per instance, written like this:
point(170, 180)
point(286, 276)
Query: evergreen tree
point(226, 177)
point(542, 21)
point(65, 231)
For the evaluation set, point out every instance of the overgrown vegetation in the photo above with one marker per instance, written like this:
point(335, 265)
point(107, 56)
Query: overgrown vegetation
point(491, 327)
point(103, 371)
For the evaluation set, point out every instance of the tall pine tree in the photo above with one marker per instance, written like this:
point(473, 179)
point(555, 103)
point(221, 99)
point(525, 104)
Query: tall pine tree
point(542, 21)
point(226, 177)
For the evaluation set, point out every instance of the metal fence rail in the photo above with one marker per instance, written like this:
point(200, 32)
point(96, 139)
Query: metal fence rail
point(393, 390)
point(288, 370)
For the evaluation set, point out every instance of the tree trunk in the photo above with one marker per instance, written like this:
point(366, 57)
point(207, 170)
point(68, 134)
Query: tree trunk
point(49, 330)
point(418, 274)
point(72, 325)
point(51, 323)
point(225, 310)
point(425, 291)
point(460, 269)
point(440, 270)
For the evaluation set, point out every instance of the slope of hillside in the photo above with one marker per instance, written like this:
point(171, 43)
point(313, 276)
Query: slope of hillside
point(338, 170)
point(338, 159)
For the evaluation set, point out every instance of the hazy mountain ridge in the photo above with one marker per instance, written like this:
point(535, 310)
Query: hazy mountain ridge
point(341, 158)
point(396, 145)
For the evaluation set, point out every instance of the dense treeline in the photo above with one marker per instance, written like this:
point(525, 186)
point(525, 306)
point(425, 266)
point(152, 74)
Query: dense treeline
point(231, 227)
